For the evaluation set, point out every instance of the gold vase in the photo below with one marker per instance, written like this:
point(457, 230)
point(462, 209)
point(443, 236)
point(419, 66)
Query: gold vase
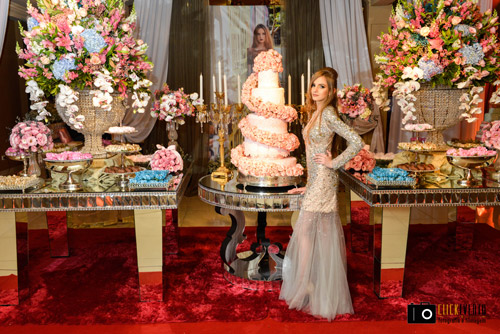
point(439, 107)
point(97, 120)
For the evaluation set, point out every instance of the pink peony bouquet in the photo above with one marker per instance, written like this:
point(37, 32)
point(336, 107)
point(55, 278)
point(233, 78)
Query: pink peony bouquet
point(355, 101)
point(167, 159)
point(171, 105)
point(31, 136)
point(491, 135)
point(361, 164)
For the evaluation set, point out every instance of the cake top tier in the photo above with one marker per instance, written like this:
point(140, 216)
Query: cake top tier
point(268, 60)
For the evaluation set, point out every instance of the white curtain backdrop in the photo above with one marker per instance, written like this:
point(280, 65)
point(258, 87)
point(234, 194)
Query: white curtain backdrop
point(346, 50)
point(231, 31)
point(4, 16)
point(153, 20)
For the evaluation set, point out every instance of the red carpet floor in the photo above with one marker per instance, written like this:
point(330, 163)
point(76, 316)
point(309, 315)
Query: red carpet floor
point(98, 283)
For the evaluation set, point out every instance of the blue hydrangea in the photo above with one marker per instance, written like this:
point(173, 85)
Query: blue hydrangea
point(93, 42)
point(472, 53)
point(419, 39)
point(430, 68)
point(61, 66)
point(463, 28)
point(32, 23)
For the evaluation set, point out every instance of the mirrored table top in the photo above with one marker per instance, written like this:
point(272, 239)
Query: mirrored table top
point(101, 194)
point(438, 192)
point(234, 196)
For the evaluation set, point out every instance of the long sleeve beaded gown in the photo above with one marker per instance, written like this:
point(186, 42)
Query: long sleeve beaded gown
point(315, 268)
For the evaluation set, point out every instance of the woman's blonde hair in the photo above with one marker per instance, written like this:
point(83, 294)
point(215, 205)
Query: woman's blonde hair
point(331, 78)
point(268, 42)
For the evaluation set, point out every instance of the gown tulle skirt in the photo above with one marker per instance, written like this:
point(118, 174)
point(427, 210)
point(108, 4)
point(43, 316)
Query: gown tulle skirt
point(315, 266)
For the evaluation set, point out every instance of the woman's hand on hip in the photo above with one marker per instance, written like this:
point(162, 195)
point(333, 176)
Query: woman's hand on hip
point(324, 159)
point(300, 190)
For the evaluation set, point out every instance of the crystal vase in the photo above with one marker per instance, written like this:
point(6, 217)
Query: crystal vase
point(439, 107)
point(97, 120)
point(172, 133)
point(33, 166)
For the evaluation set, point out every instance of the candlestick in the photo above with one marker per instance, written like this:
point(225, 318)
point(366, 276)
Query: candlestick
point(302, 88)
point(308, 73)
point(225, 90)
point(220, 75)
point(215, 88)
point(289, 89)
point(201, 86)
point(239, 90)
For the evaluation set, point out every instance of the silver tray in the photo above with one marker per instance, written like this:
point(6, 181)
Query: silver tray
point(268, 181)
point(151, 185)
point(27, 185)
point(377, 183)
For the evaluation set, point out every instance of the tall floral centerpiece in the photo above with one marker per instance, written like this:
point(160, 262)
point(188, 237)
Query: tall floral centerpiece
point(84, 53)
point(437, 56)
point(172, 106)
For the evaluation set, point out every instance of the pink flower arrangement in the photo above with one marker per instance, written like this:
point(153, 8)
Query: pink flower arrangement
point(446, 42)
point(491, 135)
point(268, 60)
point(171, 105)
point(250, 166)
point(479, 151)
point(267, 109)
point(286, 141)
point(31, 136)
point(167, 159)
point(362, 163)
point(77, 44)
point(355, 101)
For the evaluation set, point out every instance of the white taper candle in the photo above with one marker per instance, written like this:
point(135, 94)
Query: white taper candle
point(302, 88)
point(225, 90)
point(239, 89)
point(289, 89)
point(220, 78)
point(201, 86)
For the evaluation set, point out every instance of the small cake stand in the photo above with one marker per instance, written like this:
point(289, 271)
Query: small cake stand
point(69, 167)
point(468, 163)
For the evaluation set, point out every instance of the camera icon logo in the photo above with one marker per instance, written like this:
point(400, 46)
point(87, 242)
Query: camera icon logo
point(425, 313)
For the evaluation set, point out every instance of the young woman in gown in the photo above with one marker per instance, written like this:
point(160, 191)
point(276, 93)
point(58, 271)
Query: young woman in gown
point(261, 42)
point(315, 268)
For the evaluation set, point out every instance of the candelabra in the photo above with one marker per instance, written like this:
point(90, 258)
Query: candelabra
point(221, 115)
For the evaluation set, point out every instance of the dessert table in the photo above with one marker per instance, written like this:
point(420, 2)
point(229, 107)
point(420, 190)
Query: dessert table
point(261, 267)
point(390, 210)
point(149, 206)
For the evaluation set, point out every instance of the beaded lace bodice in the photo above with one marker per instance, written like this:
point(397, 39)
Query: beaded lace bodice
point(322, 182)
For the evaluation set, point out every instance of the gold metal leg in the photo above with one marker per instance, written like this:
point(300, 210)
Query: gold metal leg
point(389, 249)
point(148, 234)
point(13, 258)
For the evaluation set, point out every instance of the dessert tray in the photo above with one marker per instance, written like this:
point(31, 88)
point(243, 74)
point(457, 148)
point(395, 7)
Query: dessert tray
point(395, 183)
point(123, 148)
point(14, 182)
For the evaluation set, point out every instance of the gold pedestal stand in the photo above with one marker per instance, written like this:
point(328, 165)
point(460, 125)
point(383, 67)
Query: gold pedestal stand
point(221, 115)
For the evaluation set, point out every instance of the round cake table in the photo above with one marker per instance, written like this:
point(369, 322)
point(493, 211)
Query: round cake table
point(260, 267)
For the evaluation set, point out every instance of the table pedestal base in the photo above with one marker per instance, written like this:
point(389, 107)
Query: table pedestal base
point(257, 269)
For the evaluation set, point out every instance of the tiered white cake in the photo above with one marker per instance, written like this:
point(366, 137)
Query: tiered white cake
point(266, 149)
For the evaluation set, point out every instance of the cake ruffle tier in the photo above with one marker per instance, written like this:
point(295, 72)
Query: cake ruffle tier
point(286, 141)
point(261, 167)
point(266, 109)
